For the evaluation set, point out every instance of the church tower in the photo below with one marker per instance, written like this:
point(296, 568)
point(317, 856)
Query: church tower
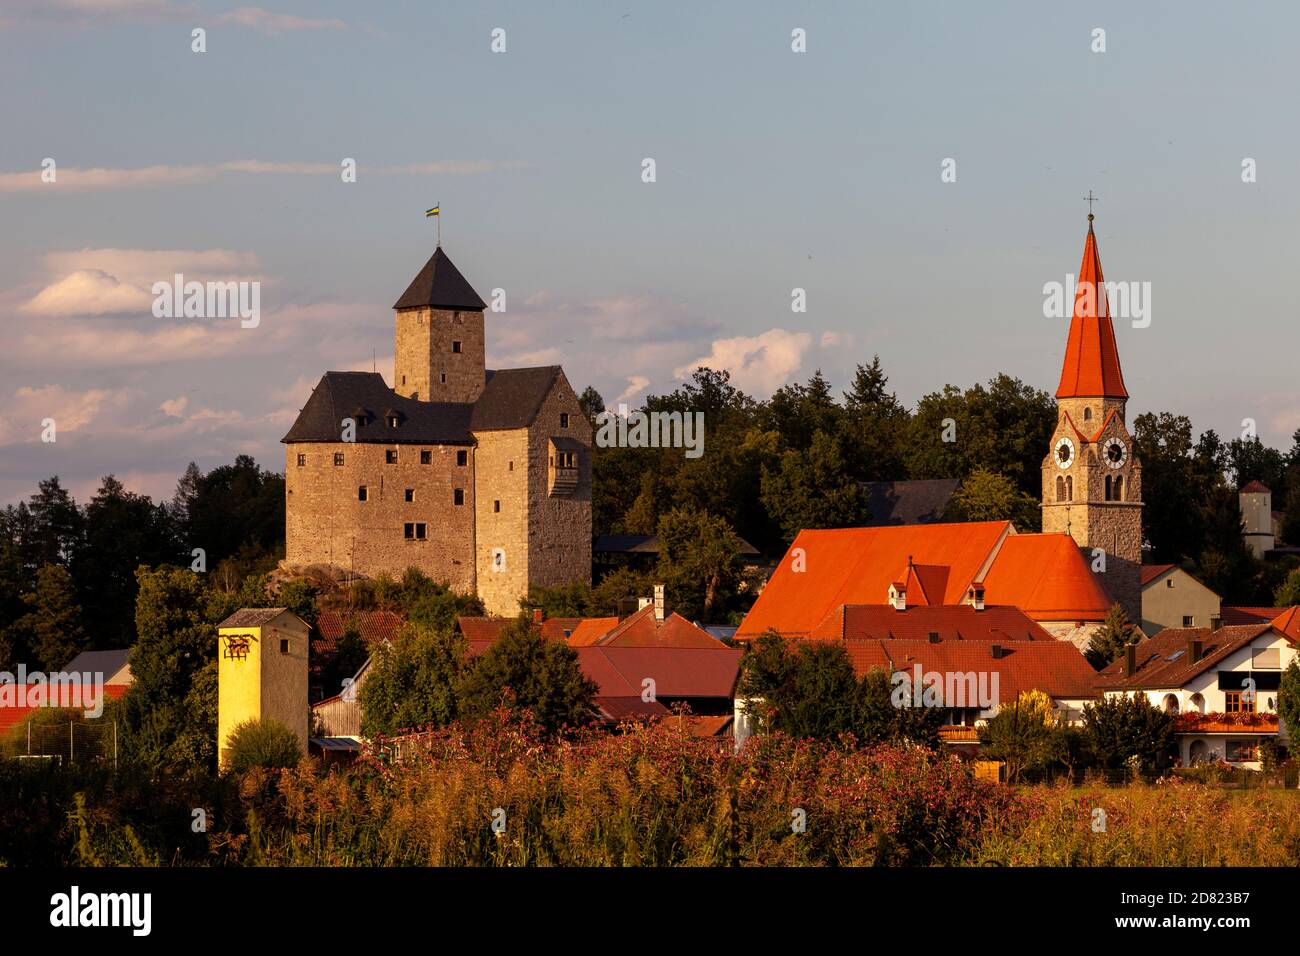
point(439, 354)
point(1092, 482)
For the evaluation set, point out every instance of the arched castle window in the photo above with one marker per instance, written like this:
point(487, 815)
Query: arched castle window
point(1060, 488)
point(1108, 487)
point(1119, 487)
point(1069, 487)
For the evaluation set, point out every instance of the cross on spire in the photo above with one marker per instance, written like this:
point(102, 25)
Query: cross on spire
point(1091, 199)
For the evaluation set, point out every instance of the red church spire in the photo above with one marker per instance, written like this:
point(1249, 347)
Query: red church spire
point(1091, 368)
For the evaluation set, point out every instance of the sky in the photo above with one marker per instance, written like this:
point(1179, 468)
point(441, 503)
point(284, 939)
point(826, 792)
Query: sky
point(775, 170)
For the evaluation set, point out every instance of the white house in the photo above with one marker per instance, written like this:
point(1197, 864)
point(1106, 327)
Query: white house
point(1222, 685)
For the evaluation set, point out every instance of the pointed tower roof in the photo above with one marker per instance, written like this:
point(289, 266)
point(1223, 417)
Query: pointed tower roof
point(441, 286)
point(1091, 368)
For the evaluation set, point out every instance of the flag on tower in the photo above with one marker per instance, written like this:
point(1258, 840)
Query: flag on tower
point(431, 212)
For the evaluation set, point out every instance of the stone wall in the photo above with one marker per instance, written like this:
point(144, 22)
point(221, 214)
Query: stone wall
point(326, 523)
point(559, 527)
point(424, 354)
point(501, 476)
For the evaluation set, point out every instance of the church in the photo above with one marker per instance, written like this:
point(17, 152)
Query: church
point(480, 478)
point(1066, 577)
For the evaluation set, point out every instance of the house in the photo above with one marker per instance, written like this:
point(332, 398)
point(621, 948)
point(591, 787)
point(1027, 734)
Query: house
point(1222, 685)
point(373, 627)
point(113, 665)
point(1173, 598)
point(480, 478)
point(261, 672)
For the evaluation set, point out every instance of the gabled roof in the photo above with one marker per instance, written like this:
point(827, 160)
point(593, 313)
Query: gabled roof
point(1054, 667)
point(1046, 577)
point(1164, 660)
point(1239, 614)
point(440, 285)
point(512, 397)
point(642, 630)
point(255, 617)
point(959, 622)
point(676, 671)
point(112, 665)
point(340, 395)
point(1091, 368)
point(857, 565)
point(910, 502)
point(591, 629)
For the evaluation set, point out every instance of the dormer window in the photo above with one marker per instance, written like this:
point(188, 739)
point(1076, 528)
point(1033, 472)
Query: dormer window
point(393, 421)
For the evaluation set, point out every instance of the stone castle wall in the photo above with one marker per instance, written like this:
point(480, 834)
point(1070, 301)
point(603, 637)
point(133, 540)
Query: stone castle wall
point(501, 474)
point(326, 523)
point(424, 354)
point(559, 531)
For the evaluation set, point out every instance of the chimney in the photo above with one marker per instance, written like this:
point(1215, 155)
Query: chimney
point(977, 596)
point(659, 602)
point(1130, 660)
point(1194, 650)
point(539, 615)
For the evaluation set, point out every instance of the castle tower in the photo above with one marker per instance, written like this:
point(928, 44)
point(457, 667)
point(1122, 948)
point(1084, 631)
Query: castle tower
point(439, 353)
point(1256, 501)
point(1092, 482)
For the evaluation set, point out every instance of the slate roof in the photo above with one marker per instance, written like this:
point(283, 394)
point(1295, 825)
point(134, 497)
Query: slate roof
point(340, 395)
point(909, 502)
point(440, 285)
point(646, 544)
point(1163, 661)
point(252, 616)
point(111, 664)
point(512, 397)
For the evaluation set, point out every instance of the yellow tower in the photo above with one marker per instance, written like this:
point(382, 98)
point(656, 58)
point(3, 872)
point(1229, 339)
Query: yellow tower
point(261, 672)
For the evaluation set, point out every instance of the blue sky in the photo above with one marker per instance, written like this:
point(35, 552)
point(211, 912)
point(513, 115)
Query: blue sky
point(775, 170)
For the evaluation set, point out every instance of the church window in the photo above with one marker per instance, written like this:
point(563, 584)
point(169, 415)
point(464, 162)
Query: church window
point(462, 458)
point(338, 458)
point(1060, 488)
point(459, 496)
point(302, 460)
point(410, 494)
point(1119, 487)
point(455, 346)
point(363, 494)
point(1069, 487)
point(1087, 414)
point(390, 456)
point(564, 419)
point(426, 457)
point(1108, 487)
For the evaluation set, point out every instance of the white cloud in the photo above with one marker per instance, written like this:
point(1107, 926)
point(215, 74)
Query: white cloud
point(71, 410)
point(268, 22)
point(175, 407)
point(88, 292)
point(758, 364)
point(636, 384)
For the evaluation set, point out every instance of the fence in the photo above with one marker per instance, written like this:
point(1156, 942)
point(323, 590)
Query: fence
point(64, 742)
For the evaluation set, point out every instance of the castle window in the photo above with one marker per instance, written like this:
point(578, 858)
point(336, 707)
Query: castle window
point(1060, 488)
point(362, 493)
point(284, 646)
point(302, 460)
point(496, 506)
point(415, 531)
point(564, 419)
point(512, 467)
point(444, 378)
point(459, 496)
point(455, 346)
point(410, 494)
point(390, 456)
point(426, 457)
point(338, 458)
point(462, 458)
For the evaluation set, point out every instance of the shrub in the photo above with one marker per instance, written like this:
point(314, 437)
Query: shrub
point(263, 742)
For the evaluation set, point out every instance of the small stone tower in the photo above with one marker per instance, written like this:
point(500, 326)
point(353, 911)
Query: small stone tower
point(1092, 481)
point(1256, 502)
point(261, 672)
point(440, 353)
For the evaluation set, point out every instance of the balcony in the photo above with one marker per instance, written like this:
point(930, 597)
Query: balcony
point(954, 734)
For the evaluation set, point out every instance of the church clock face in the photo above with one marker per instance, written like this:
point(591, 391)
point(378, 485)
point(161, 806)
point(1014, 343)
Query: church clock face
point(1064, 453)
point(1115, 453)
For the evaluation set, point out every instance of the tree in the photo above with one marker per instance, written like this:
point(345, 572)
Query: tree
point(985, 496)
point(591, 403)
point(1288, 705)
point(263, 742)
point(1128, 726)
point(57, 525)
point(1022, 734)
point(50, 634)
point(1108, 641)
point(1288, 593)
point(411, 682)
point(875, 424)
point(814, 489)
point(699, 562)
point(170, 707)
point(527, 672)
point(886, 712)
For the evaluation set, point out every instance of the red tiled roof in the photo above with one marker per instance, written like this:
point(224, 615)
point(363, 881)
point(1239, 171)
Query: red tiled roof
point(1240, 614)
point(478, 629)
point(857, 566)
point(676, 671)
point(1046, 577)
point(615, 709)
point(13, 716)
point(373, 626)
point(591, 629)
point(1256, 487)
point(960, 622)
point(1054, 667)
point(1152, 571)
point(642, 630)
point(1288, 622)
point(1164, 660)
point(559, 628)
point(1091, 367)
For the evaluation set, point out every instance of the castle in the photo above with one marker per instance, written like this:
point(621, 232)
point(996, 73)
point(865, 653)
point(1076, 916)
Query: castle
point(480, 478)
